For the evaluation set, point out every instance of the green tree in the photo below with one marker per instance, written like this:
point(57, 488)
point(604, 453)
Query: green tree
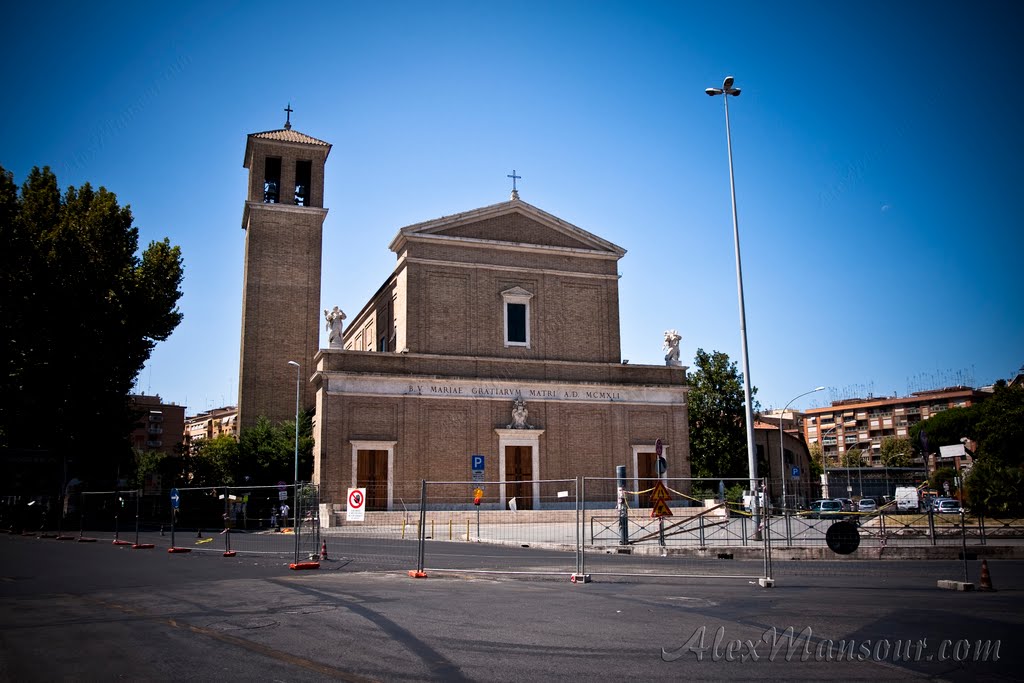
point(895, 451)
point(995, 484)
point(999, 428)
point(213, 462)
point(267, 451)
point(942, 476)
point(817, 460)
point(853, 458)
point(80, 312)
point(995, 490)
point(944, 428)
point(718, 441)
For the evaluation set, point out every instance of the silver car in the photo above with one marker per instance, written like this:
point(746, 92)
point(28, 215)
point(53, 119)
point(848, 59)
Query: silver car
point(947, 506)
point(867, 505)
point(823, 509)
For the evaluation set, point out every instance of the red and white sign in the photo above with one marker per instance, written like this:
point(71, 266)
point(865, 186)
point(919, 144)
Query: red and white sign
point(356, 505)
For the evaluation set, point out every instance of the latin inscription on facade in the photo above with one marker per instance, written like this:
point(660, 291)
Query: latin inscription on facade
point(470, 389)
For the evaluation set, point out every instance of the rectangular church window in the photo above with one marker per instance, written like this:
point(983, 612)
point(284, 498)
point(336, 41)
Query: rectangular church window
point(271, 180)
point(303, 178)
point(516, 323)
point(516, 302)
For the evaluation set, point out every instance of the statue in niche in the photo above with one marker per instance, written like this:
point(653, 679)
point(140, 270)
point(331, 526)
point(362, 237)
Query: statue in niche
point(671, 345)
point(519, 415)
point(335, 318)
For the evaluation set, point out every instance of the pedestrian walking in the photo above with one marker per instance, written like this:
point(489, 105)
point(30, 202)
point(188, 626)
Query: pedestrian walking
point(284, 514)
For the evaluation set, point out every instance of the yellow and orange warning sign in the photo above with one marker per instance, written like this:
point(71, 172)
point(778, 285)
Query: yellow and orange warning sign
point(659, 500)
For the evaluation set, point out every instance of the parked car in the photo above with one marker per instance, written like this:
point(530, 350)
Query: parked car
point(946, 506)
point(823, 509)
point(867, 505)
point(848, 505)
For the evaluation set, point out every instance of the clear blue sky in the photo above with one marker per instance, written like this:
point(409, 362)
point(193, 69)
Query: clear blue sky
point(877, 148)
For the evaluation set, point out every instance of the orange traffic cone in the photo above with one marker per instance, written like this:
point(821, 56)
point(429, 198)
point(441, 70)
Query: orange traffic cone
point(985, 583)
point(323, 551)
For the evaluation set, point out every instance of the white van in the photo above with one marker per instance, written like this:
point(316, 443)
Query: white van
point(907, 499)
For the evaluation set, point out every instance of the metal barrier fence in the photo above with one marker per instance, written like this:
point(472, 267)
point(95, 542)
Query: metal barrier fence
point(575, 527)
point(265, 520)
point(538, 527)
point(253, 519)
point(110, 515)
point(888, 527)
point(383, 539)
point(695, 540)
point(584, 526)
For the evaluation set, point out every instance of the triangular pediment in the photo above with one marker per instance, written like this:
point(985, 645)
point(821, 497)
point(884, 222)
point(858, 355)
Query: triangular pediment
point(511, 223)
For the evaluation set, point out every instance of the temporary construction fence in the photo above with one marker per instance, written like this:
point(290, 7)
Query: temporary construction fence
point(538, 527)
point(264, 520)
point(109, 515)
point(583, 527)
point(570, 527)
point(696, 538)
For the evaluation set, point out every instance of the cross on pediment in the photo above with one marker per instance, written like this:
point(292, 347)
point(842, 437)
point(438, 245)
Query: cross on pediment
point(514, 177)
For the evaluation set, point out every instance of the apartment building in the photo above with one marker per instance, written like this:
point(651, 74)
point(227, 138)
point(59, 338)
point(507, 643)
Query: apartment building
point(159, 426)
point(863, 423)
point(212, 423)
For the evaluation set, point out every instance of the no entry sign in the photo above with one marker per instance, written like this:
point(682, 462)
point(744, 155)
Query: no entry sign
point(356, 505)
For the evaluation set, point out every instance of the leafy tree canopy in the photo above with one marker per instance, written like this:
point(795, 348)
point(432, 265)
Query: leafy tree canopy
point(718, 436)
point(80, 312)
point(817, 460)
point(853, 458)
point(999, 429)
point(262, 456)
point(944, 429)
point(896, 451)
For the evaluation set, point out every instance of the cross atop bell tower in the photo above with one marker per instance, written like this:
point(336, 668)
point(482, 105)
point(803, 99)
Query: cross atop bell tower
point(283, 221)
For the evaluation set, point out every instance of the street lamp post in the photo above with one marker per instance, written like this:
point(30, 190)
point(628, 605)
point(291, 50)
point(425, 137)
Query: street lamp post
point(782, 451)
point(295, 492)
point(727, 89)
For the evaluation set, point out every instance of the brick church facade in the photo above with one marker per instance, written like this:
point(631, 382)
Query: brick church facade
point(496, 334)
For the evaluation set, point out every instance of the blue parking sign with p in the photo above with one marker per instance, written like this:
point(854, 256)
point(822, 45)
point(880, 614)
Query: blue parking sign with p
point(477, 463)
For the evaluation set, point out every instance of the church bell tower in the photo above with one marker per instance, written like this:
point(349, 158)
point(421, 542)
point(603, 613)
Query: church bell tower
point(283, 221)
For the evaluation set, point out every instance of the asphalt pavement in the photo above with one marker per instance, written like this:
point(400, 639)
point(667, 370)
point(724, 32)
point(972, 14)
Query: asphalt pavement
point(98, 612)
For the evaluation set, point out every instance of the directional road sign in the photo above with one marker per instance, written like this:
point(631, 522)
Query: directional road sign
point(175, 498)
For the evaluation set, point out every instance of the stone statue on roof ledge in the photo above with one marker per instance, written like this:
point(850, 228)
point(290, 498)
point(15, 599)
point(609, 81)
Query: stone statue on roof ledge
point(671, 345)
point(335, 318)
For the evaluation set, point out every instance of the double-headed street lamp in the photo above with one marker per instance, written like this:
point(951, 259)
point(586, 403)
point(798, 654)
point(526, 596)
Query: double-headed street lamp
point(727, 89)
point(295, 492)
point(782, 452)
